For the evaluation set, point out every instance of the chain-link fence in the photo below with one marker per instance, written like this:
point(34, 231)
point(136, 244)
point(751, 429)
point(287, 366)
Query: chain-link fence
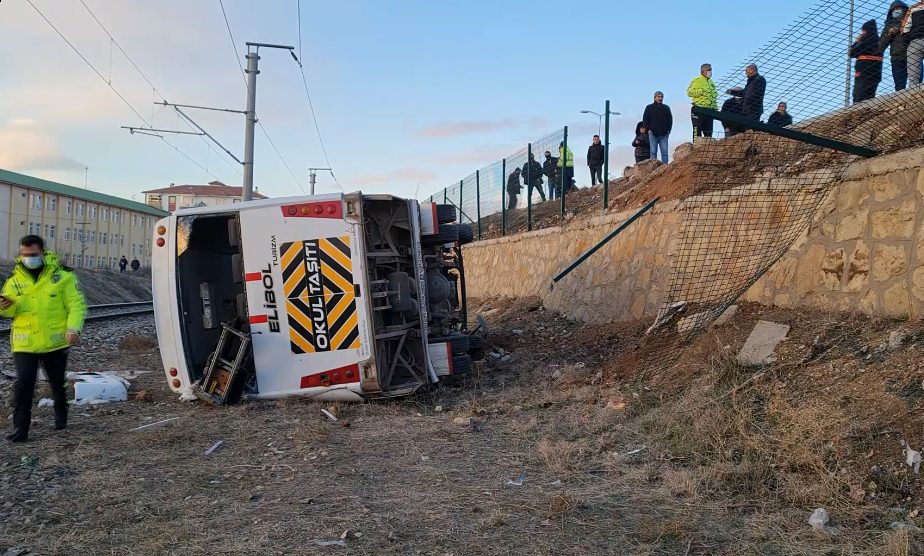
point(507, 193)
point(756, 190)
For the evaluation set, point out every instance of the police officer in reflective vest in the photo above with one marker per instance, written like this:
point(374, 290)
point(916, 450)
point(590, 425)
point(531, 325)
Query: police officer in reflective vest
point(47, 307)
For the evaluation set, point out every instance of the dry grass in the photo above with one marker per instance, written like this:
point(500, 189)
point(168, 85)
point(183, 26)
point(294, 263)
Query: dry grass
point(135, 342)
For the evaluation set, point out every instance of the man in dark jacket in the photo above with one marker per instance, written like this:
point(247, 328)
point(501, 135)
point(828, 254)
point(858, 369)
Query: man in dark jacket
point(513, 188)
point(532, 177)
point(123, 264)
point(752, 95)
point(549, 168)
point(642, 150)
point(781, 117)
point(892, 38)
point(135, 265)
point(659, 121)
point(868, 69)
point(595, 157)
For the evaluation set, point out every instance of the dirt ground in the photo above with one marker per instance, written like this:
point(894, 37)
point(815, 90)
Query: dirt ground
point(590, 442)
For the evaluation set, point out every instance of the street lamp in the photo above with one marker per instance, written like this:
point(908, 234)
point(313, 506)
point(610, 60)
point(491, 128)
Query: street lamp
point(599, 117)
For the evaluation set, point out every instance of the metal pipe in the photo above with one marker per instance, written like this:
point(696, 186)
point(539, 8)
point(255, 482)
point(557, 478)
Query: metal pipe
point(606, 162)
point(586, 254)
point(478, 199)
point(503, 197)
point(529, 188)
point(563, 160)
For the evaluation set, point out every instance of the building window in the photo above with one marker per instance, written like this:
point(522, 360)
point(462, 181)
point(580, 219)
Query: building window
point(92, 239)
point(187, 200)
point(122, 240)
point(35, 228)
point(235, 200)
point(81, 209)
point(52, 204)
point(52, 231)
point(67, 234)
point(105, 215)
point(93, 212)
point(171, 203)
point(36, 200)
point(67, 206)
point(104, 239)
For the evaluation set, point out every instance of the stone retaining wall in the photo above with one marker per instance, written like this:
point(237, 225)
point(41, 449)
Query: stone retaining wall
point(864, 251)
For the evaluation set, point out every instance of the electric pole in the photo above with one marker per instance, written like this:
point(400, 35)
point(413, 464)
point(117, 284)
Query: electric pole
point(313, 176)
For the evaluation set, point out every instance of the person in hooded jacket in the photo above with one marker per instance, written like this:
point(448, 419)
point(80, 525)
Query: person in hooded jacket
point(641, 144)
point(892, 38)
point(780, 117)
point(595, 158)
point(44, 300)
point(550, 169)
point(868, 69)
point(513, 189)
point(532, 177)
point(913, 33)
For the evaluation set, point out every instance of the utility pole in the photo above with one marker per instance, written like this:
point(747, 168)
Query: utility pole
point(312, 178)
point(251, 120)
point(253, 58)
point(86, 176)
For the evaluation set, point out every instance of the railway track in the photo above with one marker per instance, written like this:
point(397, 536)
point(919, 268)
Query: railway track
point(111, 311)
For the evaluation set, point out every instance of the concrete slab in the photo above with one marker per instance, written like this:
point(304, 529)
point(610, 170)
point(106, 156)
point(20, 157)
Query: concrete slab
point(726, 316)
point(759, 347)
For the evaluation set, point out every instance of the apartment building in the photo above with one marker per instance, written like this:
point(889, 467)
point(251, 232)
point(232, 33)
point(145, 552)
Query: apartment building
point(177, 197)
point(86, 228)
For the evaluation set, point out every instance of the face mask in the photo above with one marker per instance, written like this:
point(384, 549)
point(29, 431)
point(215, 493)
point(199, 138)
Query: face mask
point(897, 14)
point(709, 73)
point(33, 263)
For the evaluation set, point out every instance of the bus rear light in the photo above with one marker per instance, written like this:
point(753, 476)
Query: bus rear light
point(174, 372)
point(176, 383)
point(333, 377)
point(161, 230)
point(326, 209)
point(160, 242)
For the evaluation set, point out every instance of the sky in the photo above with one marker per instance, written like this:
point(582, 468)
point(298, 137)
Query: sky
point(410, 96)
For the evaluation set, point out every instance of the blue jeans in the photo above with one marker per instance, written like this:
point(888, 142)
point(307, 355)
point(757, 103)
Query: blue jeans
point(659, 141)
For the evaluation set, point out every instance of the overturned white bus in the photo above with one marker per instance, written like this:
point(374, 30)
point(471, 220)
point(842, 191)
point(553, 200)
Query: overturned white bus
point(340, 297)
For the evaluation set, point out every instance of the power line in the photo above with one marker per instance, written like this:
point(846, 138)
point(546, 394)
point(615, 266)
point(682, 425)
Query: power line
point(109, 84)
point(240, 66)
point(143, 76)
point(310, 104)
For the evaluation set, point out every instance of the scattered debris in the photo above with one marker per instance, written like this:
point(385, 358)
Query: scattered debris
point(517, 331)
point(759, 347)
point(726, 316)
point(329, 415)
point(438, 409)
point(164, 422)
point(897, 338)
point(93, 388)
point(46, 402)
point(518, 482)
point(462, 421)
point(905, 525)
point(616, 405)
point(341, 544)
point(912, 457)
point(694, 322)
point(497, 357)
point(819, 519)
point(635, 451)
point(214, 447)
point(666, 314)
point(187, 393)
point(555, 483)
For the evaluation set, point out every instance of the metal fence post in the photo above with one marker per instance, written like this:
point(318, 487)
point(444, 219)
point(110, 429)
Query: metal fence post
point(431, 199)
point(606, 162)
point(529, 187)
point(445, 195)
point(460, 201)
point(478, 199)
point(503, 197)
point(564, 171)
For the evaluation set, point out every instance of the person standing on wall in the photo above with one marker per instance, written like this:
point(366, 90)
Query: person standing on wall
point(703, 93)
point(550, 169)
point(752, 94)
point(913, 33)
point(565, 168)
point(532, 177)
point(659, 121)
point(48, 309)
point(642, 150)
point(513, 189)
point(893, 38)
point(780, 117)
point(595, 157)
point(868, 69)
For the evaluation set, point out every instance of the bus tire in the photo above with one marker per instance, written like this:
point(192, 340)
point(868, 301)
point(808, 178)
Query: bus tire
point(458, 343)
point(449, 233)
point(461, 364)
point(466, 235)
point(445, 214)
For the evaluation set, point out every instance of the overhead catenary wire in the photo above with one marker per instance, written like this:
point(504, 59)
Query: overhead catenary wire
point(115, 90)
point(240, 66)
point(157, 93)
